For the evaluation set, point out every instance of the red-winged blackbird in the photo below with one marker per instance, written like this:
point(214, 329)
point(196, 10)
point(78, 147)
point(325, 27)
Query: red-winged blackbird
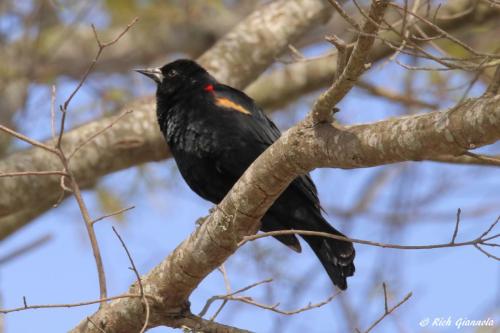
point(215, 132)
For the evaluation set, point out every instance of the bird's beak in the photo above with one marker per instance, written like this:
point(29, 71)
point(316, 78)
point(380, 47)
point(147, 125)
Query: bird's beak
point(154, 74)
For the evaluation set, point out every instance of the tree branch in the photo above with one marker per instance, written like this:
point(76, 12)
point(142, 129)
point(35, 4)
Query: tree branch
point(275, 27)
point(136, 139)
point(356, 65)
point(300, 149)
point(283, 86)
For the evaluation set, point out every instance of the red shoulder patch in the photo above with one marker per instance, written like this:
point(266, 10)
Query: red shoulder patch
point(208, 88)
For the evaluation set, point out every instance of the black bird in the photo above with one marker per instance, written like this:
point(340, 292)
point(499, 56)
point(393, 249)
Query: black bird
point(215, 132)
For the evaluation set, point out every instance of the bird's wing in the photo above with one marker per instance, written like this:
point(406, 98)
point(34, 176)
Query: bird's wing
point(262, 133)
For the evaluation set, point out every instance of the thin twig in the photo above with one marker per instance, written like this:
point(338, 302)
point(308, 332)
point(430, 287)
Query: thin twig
point(53, 112)
point(227, 284)
point(447, 35)
point(73, 183)
point(387, 311)
point(118, 212)
point(354, 240)
point(75, 188)
point(386, 307)
point(489, 255)
point(343, 13)
point(66, 305)
point(355, 66)
point(274, 307)
point(248, 300)
point(479, 240)
point(141, 288)
point(96, 134)
point(296, 53)
point(455, 232)
point(218, 297)
point(483, 235)
point(394, 96)
point(407, 25)
point(33, 173)
point(101, 46)
point(484, 158)
point(64, 107)
point(472, 82)
point(28, 140)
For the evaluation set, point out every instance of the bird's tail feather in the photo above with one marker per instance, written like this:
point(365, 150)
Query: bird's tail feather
point(337, 256)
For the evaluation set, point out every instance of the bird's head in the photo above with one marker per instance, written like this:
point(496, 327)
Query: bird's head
point(177, 76)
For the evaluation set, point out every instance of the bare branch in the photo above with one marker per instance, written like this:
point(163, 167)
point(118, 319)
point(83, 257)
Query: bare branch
point(88, 225)
point(343, 13)
point(224, 297)
point(67, 172)
point(455, 232)
point(139, 282)
point(394, 96)
point(66, 305)
point(63, 108)
point(355, 66)
point(101, 46)
point(28, 140)
point(444, 33)
point(469, 158)
point(387, 311)
point(249, 300)
point(96, 134)
point(222, 269)
point(474, 242)
point(118, 212)
point(74, 186)
point(266, 40)
point(484, 234)
point(386, 307)
point(274, 307)
point(489, 255)
point(53, 112)
point(282, 86)
point(33, 173)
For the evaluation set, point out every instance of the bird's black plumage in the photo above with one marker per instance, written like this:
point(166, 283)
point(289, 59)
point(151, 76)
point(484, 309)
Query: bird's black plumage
point(215, 132)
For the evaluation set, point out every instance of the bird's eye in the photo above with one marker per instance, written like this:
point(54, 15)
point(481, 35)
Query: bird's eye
point(172, 73)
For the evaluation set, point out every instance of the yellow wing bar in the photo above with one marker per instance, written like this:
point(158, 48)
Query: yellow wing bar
point(227, 103)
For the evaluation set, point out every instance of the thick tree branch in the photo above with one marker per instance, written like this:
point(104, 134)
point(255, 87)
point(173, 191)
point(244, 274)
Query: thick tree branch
point(56, 54)
point(136, 139)
point(470, 125)
point(275, 27)
point(302, 148)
